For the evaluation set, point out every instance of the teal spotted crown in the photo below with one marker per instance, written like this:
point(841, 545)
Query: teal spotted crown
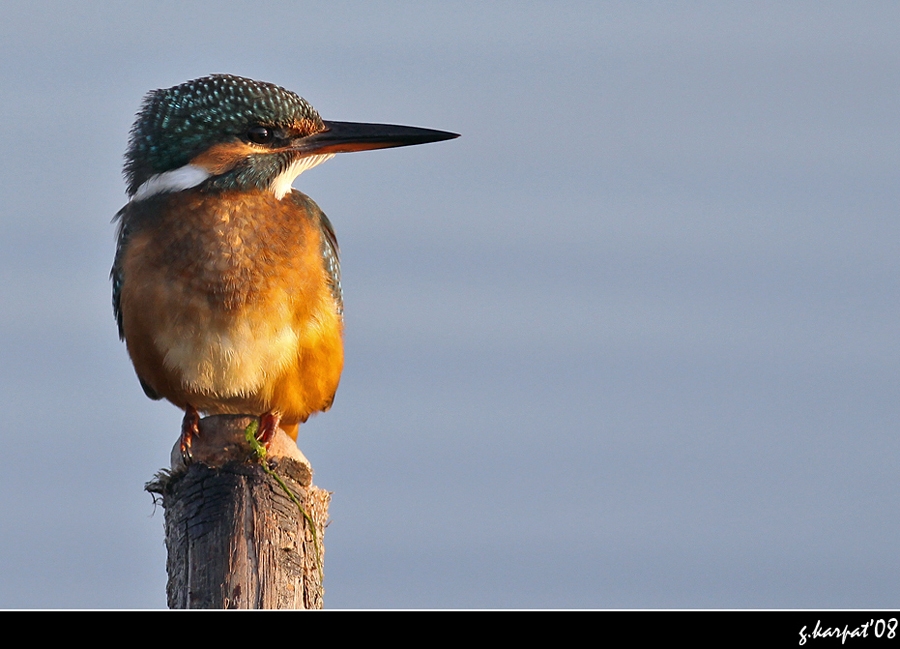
point(175, 124)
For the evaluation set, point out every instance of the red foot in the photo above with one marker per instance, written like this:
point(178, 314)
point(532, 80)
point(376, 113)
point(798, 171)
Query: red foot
point(190, 426)
point(268, 424)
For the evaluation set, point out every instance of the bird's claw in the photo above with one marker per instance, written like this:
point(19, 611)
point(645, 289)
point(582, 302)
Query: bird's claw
point(268, 424)
point(190, 427)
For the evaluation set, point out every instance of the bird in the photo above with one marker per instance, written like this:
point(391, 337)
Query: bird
point(226, 280)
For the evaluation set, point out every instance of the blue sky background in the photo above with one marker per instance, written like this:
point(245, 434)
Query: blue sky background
point(631, 341)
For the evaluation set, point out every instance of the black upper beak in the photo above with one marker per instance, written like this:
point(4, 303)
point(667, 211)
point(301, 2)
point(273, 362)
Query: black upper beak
point(345, 137)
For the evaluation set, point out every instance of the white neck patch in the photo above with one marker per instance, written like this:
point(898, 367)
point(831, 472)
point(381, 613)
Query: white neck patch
point(282, 183)
point(192, 175)
point(171, 181)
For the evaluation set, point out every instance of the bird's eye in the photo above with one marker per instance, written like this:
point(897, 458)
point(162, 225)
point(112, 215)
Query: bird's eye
point(260, 135)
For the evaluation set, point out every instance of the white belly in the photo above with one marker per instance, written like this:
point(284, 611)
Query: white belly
point(230, 356)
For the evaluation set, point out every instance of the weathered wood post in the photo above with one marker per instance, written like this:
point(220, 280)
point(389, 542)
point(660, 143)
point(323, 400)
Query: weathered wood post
point(235, 537)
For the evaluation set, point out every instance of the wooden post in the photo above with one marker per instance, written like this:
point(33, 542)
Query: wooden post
point(234, 536)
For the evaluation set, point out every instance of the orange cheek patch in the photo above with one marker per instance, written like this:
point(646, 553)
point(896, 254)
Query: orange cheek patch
point(222, 157)
point(304, 127)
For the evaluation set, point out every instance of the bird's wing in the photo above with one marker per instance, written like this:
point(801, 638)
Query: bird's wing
point(330, 251)
point(116, 273)
point(117, 277)
point(331, 258)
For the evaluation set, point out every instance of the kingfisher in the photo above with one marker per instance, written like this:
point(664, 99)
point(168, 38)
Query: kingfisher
point(226, 280)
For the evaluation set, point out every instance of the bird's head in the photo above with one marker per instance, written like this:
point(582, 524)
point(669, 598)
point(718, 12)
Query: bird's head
point(227, 132)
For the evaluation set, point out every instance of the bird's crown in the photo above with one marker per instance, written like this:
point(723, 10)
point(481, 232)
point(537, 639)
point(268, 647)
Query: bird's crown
point(177, 124)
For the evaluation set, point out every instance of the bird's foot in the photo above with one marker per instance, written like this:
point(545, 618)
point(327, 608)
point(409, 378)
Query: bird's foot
point(190, 427)
point(259, 434)
point(268, 426)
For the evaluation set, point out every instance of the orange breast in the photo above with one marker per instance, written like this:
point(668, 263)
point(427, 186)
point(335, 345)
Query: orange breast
point(227, 306)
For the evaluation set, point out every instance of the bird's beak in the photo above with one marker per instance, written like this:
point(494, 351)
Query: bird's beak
point(345, 137)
